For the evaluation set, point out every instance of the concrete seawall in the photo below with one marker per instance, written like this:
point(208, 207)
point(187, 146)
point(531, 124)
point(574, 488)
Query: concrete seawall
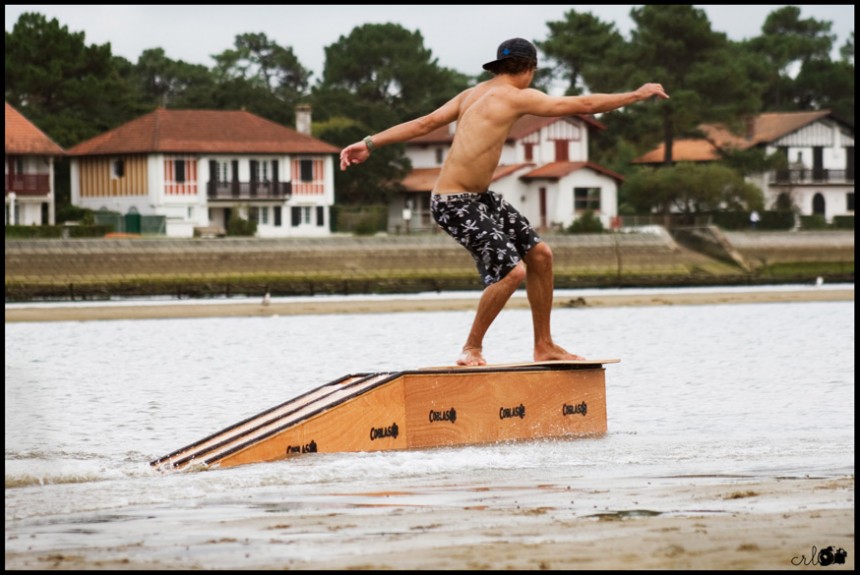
point(147, 266)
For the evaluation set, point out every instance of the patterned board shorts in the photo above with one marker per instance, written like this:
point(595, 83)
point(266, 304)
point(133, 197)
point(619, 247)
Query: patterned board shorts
point(493, 231)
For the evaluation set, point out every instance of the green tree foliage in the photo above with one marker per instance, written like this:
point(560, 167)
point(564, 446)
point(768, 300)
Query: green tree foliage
point(788, 42)
point(847, 50)
point(70, 90)
point(690, 188)
point(379, 75)
point(172, 83)
point(674, 44)
point(581, 42)
point(262, 77)
point(827, 85)
point(387, 65)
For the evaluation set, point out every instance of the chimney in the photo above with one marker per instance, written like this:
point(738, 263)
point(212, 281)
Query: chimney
point(750, 127)
point(303, 119)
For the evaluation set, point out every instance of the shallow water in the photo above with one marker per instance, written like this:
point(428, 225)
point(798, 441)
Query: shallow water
point(752, 390)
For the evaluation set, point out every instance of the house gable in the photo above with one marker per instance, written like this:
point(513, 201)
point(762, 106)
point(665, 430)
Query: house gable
point(24, 138)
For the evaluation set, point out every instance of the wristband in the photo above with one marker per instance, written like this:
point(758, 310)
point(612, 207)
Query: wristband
point(369, 143)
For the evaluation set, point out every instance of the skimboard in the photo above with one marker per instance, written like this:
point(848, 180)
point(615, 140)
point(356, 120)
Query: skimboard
point(557, 363)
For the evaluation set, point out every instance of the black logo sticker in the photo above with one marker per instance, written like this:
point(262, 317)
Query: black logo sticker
point(518, 411)
point(449, 415)
point(581, 408)
point(306, 448)
point(380, 432)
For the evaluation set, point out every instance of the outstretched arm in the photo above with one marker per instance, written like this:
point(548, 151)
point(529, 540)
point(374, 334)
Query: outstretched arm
point(540, 104)
point(359, 151)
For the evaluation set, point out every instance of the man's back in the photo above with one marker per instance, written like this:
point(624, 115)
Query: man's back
point(484, 118)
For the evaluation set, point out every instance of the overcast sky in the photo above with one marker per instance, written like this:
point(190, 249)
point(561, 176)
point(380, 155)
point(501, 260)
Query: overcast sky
point(461, 37)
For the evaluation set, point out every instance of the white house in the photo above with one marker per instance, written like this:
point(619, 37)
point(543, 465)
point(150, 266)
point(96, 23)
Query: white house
point(819, 153)
point(543, 172)
point(30, 198)
point(194, 168)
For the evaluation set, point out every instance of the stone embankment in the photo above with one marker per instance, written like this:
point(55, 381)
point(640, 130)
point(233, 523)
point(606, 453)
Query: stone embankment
point(96, 268)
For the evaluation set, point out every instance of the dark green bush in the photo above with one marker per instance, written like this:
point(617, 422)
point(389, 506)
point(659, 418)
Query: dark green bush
point(843, 222)
point(587, 223)
point(815, 222)
point(237, 226)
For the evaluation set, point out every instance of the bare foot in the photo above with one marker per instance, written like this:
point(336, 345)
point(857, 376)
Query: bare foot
point(471, 356)
point(553, 352)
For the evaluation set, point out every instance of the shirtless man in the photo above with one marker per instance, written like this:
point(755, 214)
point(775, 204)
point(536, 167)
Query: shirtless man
point(505, 247)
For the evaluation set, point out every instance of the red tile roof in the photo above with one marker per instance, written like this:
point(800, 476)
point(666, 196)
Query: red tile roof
point(684, 150)
point(202, 131)
point(521, 128)
point(24, 138)
point(761, 129)
point(558, 170)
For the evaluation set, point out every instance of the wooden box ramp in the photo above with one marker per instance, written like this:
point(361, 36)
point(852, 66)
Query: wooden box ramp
point(426, 407)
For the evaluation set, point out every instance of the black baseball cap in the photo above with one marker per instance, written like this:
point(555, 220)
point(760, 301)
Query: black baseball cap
point(513, 48)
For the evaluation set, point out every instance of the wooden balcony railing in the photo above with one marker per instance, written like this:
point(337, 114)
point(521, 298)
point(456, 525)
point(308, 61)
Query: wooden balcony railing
point(249, 190)
point(28, 184)
point(814, 176)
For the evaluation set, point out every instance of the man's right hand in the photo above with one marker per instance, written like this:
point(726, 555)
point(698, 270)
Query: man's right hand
point(353, 154)
point(648, 90)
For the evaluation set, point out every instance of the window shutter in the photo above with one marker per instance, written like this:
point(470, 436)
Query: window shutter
point(320, 216)
point(296, 216)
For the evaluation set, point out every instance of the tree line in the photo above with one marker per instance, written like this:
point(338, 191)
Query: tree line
point(382, 74)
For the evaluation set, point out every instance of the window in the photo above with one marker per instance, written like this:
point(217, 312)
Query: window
point(307, 170)
point(278, 216)
point(561, 150)
point(586, 199)
point(529, 151)
point(849, 201)
point(179, 171)
point(223, 171)
point(320, 216)
point(259, 171)
point(118, 168)
point(301, 216)
point(264, 215)
point(440, 155)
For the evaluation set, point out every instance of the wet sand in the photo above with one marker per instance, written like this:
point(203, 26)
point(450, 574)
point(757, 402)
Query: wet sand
point(94, 311)
point(632, 523)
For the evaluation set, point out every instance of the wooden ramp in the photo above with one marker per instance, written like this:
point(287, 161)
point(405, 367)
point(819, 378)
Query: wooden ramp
point(427, 407)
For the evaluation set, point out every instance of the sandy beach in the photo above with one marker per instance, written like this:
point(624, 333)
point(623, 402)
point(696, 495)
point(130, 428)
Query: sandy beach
point(94, 311)
point(711, 523)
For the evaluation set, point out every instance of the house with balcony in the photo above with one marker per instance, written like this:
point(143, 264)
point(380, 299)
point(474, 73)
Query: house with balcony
point(30, 154)
point(197, 168)
point(543, 171)
point(819, 157)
